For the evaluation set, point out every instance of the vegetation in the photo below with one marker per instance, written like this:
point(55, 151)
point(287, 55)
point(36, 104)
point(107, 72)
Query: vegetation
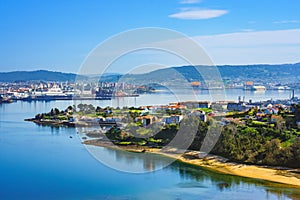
point(261, 142)
point(39, 75)
point(206, 110)
point(253, 142)
point(272, 139)
point(82, 109)
point(55, 114)
point(155, 136)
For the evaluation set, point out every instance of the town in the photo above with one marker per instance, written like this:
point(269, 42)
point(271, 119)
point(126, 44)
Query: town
point(51, 90)
point(173, 113)
point(47, 91)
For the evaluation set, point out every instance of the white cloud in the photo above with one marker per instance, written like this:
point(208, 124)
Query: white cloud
point(195, 14)
point(241, 48)
point(280, 46)
point(238, 48)
point(255, 38)
point(287, 22)
point(190, 1)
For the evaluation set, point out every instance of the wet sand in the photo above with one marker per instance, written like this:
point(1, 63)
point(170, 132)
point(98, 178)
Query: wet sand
point(215, 163)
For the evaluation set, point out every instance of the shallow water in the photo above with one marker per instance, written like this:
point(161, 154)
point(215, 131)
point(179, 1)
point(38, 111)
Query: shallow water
point(40, 162)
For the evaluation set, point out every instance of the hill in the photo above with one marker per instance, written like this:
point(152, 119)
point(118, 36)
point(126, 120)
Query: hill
point(289, 72)
point(283, 73)
point(39, 75)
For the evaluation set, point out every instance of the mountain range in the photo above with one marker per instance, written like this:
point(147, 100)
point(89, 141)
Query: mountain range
point(39, 75)
point(282, 72)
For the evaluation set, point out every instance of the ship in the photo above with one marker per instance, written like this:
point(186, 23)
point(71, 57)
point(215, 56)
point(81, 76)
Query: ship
point(6, 100)
point(54, 93)
point(258, 88)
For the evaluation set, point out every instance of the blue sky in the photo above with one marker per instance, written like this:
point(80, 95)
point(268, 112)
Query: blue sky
point(59, 34)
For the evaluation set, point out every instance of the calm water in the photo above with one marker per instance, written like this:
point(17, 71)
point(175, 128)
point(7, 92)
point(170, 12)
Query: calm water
point(166, 97)
point(39, 162)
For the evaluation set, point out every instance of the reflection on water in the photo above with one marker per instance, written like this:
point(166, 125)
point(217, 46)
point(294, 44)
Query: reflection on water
point(42, 162)
point(129, 161)
point(151, 162)
point(228, 182)
point(54, 130)
point(194, 177)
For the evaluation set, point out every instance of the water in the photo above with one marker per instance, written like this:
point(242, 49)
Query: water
point(165, 97)
point(39, 162)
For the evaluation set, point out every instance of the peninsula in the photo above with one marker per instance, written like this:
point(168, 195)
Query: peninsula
point(256, 141)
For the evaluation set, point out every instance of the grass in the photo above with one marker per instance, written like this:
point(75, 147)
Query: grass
point(206, 110)
point(259, 123)
point(124, 143)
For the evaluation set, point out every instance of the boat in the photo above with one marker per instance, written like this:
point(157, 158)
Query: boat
point(6, 100)
point(258, 88)
point(54, 93)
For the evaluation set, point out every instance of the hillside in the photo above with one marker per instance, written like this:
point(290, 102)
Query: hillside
point(39, 75)
point(288, 72)
point(284, 73)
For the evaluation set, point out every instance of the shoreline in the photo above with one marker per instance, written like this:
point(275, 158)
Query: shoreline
point(49, 122)
point(214, 163)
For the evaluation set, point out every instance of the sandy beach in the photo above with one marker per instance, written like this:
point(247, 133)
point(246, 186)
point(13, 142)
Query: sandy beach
point(215, 163)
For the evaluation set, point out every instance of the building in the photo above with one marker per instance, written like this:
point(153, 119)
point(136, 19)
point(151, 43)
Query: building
point(146, 120)
point(275, 118)
point(254, 104)
point(220, 105)
point(195, 104)
point(238, 107)
point(248, 85)
point(173, 119)
point(199, 114)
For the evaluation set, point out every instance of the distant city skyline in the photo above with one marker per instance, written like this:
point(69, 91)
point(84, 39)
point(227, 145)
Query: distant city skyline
point(58, 35)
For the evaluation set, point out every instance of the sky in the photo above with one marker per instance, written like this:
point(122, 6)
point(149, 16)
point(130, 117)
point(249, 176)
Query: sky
point(58, 35)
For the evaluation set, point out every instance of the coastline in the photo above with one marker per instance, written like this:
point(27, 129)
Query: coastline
point(214, 163)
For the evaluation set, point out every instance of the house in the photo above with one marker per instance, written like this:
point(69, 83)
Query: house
point(204, 104)
point(220, 105)
point(268, 111)
point(271, 111)
point(146, 120)
point(199, 114)
point(239, 107)
point(159, 108)
point(251, 104)
point(275, 118)
point(173, 119)
point(195, 104)
point(260, 116)
point(174, 106)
